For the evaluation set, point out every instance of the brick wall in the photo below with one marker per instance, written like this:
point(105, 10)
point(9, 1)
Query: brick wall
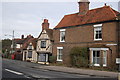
point(83, 36)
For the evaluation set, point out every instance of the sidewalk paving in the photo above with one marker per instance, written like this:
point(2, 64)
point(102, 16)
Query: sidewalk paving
point(80, 71)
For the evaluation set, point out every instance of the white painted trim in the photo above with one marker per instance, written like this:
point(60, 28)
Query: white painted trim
point(104, 65)
point(94, 49)
point(111, 44)
point(62, 41)
point(95, 29)
point(62, 29)
point(117, 60)
point(59, 60)
point(98, 25)
point(97, 39)
point(59, 47)
point(60, 34)
point(57, 53)
point(96, 64)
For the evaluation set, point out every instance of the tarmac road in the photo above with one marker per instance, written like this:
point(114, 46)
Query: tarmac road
point(19, 70)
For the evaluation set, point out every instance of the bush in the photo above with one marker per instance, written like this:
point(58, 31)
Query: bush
point(79, 57)
point(52, 59)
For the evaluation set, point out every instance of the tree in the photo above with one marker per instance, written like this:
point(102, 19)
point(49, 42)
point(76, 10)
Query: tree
point(6, 47)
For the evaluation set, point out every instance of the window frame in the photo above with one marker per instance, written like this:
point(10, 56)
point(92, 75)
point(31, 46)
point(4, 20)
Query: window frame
point(95, 57)
point(41, 46)
point(58, 54)
point(105, 58)
point(62, 30)
point(29, 53)
point(97, 27)
point(99, 49)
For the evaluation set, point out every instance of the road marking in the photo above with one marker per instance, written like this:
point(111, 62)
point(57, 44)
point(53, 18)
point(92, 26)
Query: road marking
point(18, 73)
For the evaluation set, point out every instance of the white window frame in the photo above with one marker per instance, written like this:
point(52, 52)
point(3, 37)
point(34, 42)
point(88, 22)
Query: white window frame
point(97, 27)
point(104, 65)
point(58, 48)
point(99, 49)
point(92, 58)
point(62, 30)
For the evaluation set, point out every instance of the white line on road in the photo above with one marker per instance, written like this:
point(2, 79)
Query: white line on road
point(18, 73)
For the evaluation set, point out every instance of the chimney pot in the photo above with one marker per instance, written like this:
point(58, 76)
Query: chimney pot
point(22, 37)
point(45, 24)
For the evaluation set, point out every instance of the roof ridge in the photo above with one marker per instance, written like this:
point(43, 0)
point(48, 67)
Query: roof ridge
point(99, 8)
point(87, 11)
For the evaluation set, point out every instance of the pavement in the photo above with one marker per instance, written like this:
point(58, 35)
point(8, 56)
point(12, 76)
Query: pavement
point(80, 71)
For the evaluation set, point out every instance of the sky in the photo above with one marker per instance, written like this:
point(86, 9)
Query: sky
point(25, 17)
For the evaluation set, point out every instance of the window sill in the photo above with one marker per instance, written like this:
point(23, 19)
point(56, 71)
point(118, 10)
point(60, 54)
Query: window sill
point(104, 65)
point(96, 64)
point(62, 41)
point(60, 60)
point(97, 39)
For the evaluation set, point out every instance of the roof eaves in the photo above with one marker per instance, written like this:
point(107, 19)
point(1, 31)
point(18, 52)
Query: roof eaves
point(85, 24)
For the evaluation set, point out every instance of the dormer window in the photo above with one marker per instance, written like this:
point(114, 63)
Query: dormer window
point(98, 32)
point(43, 44)
point(62, 35)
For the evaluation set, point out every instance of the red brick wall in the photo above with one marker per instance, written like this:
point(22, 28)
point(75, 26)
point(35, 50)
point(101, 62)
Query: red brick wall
point(84, 37)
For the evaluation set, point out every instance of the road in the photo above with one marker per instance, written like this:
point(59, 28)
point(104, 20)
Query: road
point(15, 70)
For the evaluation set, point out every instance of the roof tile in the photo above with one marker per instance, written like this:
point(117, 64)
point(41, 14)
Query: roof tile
point(105, 13)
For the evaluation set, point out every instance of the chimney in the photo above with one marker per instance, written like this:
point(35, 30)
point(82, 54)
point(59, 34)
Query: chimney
point(22, 37)
point(83, 6)
point(45, 24)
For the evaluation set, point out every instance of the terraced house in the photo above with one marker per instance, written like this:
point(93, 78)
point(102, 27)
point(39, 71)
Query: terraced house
point(97, 29)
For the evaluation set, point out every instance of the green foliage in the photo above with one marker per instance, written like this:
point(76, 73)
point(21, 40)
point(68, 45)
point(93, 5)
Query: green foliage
point(52, 59)
point(6, 47)
point(6, 44)
point(79, 57)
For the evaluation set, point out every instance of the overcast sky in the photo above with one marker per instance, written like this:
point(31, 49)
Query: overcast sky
point(26, 17)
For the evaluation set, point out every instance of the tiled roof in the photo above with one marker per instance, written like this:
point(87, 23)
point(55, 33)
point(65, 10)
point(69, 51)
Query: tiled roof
point(105, 13)
point(31, 40)
point(50, 33)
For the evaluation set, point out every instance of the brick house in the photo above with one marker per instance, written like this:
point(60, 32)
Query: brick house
point(98, 29)
point(44, 43)
point(20, 45)
point(29, 51)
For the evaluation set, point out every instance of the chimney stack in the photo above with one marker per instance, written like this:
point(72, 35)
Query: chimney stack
point(45, 24)
point(83, 6)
